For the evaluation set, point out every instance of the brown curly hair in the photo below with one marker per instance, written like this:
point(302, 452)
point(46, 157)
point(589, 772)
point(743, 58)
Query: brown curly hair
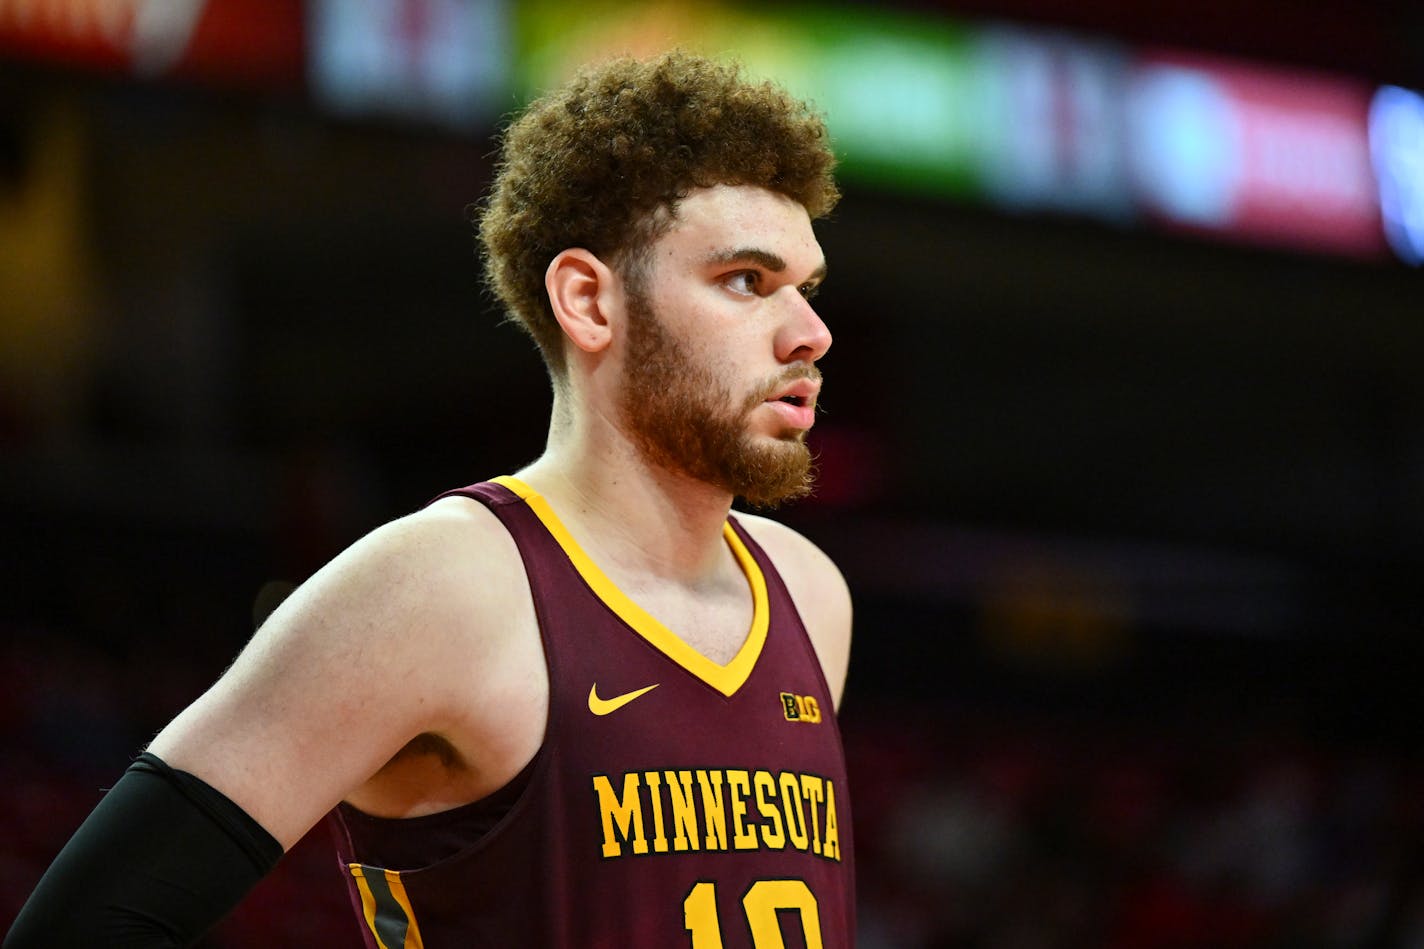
point(593, 163)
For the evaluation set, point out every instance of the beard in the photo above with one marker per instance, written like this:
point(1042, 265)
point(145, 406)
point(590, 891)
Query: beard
point(682, 418)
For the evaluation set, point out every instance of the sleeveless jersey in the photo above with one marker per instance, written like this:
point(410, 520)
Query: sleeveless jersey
point(674, 801)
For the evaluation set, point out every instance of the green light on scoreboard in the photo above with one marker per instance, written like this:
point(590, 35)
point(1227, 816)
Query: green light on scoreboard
point(898, 92)
point(899, 97)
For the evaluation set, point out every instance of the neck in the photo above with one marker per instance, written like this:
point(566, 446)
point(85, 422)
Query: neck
point(626, 512)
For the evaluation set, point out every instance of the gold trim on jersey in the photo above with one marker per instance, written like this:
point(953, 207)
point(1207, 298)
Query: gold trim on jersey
point(386, 907)
point(725, 679)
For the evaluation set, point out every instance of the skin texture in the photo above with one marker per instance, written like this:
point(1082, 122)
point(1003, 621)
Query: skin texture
point(407, 676)
point(595, 163)
point(684, 418)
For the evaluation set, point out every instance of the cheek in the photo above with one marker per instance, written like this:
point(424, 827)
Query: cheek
point(731, 370)
point(712, 348)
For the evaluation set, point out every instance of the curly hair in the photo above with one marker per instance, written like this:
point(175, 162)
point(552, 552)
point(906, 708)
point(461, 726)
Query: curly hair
point(593, 164)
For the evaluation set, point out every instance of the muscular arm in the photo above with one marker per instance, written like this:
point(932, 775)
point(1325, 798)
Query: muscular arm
point(393, 640)
point(818, 590)
point(409, 633)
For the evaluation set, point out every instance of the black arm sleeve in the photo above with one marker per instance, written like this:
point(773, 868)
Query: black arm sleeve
point(161, 859)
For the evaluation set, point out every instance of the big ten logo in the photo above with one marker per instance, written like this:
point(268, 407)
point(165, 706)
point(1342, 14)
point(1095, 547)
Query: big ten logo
point(800, 708)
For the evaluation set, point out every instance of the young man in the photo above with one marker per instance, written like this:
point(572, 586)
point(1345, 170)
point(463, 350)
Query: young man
point(579, 707)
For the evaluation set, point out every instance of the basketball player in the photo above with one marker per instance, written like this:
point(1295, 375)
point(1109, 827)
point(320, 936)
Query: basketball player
point(583, 706)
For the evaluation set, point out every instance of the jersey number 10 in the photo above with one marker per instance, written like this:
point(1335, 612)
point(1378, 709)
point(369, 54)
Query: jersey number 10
point(763, 901)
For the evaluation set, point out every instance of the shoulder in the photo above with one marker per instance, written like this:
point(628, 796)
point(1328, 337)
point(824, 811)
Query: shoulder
point(791, 551)
point(451, 523)
point(448, 539)
point(376, 648)
point(439, 588)
point(437, 564)
point(817, 588)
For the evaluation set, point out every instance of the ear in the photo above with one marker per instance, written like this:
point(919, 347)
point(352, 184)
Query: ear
point(581, 288)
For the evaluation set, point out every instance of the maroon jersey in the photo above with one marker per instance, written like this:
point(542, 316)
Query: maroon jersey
point(674, 802)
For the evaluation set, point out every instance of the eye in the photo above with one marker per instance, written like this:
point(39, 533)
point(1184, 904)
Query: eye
point(744, 282)
point(809, 290)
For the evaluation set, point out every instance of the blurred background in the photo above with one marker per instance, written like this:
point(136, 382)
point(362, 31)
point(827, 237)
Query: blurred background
point(1123, 450)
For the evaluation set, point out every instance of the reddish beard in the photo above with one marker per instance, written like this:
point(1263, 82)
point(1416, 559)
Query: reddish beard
point(684, 419)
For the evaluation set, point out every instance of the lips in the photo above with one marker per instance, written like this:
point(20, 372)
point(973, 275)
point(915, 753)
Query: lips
point(802, 392)
point(795, 402)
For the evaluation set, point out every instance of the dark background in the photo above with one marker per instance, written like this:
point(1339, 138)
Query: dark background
point(1133, 522)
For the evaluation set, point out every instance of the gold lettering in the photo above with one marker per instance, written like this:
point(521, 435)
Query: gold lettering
point(625, 812)
point(791, 806)
point(804, 817)
point(766, 785)
point(711, 784)
point(811, 788)
point(653, 780)
point(832, 847)
point(739, 785)
point(684, 811)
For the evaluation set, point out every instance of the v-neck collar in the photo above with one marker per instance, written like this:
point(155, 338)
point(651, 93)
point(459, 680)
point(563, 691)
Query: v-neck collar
point(726, 679)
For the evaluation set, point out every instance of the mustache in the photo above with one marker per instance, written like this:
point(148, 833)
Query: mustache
point(781, 381)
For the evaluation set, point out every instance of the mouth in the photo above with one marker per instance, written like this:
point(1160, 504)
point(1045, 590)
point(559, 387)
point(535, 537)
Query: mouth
point(795, 402)
point(800, 393)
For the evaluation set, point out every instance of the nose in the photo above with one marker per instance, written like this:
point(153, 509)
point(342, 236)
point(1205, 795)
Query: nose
point(803, 336)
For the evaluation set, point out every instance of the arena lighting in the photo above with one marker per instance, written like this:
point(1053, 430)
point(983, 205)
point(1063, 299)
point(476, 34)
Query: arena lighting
point(253, 44)
point(442, 61)
point(899, 102)
point(1397, 149)
point(1185, 144)
point(1270, 156)
point(1032, 120)
point(145, 36)
point(1027, 120)
point(899, 91)
point(1051, 137)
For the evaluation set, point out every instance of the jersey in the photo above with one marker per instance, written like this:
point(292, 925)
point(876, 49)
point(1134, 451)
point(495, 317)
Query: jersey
point(674, 801)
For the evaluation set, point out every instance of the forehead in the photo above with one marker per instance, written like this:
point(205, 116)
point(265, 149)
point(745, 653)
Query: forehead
point(713, 220)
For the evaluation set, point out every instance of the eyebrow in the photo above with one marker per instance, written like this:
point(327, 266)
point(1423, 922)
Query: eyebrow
point(773, 262)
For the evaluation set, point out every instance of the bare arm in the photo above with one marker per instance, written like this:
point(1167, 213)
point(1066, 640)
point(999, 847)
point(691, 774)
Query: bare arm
point(423, 628)
point(407, 633)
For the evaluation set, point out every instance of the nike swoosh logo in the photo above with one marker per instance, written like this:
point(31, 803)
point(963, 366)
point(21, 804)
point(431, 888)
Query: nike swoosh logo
point(600, 706)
